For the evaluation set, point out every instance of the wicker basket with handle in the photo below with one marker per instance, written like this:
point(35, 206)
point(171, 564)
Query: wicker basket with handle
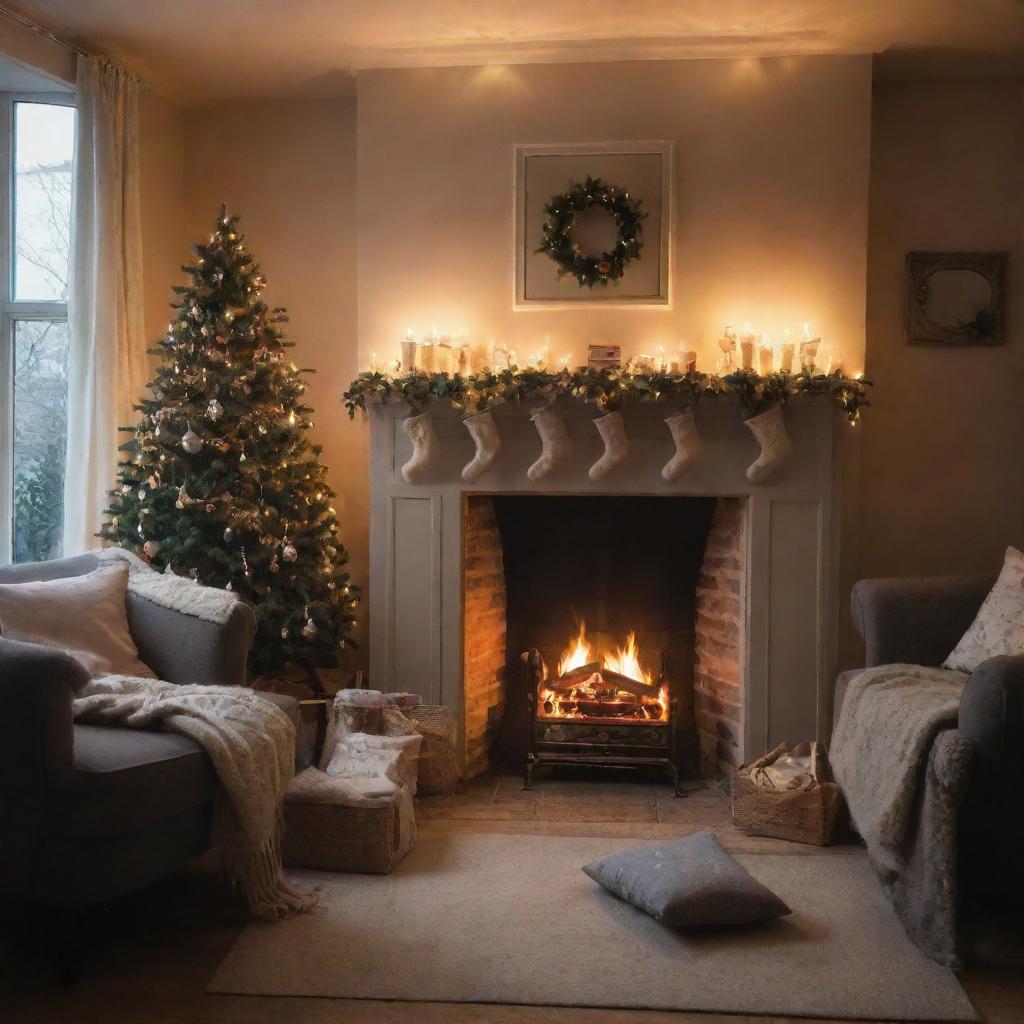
point(438, 771)
point(815, 814)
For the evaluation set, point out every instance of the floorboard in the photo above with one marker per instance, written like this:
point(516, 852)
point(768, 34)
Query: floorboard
point(152, 952)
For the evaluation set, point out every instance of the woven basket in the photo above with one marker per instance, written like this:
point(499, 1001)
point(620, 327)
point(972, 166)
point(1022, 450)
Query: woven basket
point(815, 815)
point(328, 837)
point(438, 771)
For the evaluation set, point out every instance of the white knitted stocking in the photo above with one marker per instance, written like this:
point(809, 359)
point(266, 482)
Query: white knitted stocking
point(555, 443)
point(485, 436)
point(683, 427)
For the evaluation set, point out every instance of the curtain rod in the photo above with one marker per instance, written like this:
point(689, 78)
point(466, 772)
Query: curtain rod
point(22, 20)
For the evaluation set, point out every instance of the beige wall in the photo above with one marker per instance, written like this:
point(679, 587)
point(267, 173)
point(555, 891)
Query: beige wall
point(943, 443)
point(288, 169)
point(771, 212)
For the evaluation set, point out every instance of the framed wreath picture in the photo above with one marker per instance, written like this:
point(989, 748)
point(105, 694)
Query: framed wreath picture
point(593, 225)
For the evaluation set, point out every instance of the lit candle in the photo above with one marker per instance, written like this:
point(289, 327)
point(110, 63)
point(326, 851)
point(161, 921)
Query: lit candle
point(480, 355)
point(747, 340)
point(786, 353)
point(373, 362)
point(764, 355)
point(425, 356)
point(689, 361)
point(444, 361)
point(463, 360)
point(662, 364)
point(409, 347)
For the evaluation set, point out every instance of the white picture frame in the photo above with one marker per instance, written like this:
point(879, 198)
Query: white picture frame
point(541, 171)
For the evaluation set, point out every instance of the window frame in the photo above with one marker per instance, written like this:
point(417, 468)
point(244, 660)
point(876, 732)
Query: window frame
point(12, 310)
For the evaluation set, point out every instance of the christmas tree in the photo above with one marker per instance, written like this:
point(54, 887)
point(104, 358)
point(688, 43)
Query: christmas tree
point(220, 481)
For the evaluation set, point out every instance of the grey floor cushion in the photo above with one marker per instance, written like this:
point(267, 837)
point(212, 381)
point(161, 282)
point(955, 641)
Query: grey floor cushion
point(687, 883)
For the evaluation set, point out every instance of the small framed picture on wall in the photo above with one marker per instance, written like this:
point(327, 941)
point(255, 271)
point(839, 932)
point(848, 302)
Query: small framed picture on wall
point(593, 225)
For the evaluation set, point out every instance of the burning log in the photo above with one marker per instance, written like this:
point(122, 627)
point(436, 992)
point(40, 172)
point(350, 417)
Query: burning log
point(577, 675)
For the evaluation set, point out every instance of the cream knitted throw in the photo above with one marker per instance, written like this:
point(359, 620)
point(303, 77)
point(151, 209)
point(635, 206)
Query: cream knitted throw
point(889, 720)
point(251, 743)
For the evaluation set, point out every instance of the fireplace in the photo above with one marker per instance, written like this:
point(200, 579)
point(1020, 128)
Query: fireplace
point(728, 587)
point(603, 631)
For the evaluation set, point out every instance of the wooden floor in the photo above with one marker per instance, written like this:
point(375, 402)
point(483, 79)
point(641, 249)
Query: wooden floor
point(153, 952)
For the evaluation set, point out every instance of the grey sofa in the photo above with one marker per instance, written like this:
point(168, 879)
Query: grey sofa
point(919, 621)
point(89, 812)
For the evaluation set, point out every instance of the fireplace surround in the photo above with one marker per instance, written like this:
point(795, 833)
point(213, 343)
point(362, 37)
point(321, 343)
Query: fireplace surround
point(764, 596)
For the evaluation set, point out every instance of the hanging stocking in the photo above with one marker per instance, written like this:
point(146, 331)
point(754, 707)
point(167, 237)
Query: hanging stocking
point(769, 429)
point(485, 436)
point(555, 443)
point(616, 445)
point(425, 447)
point(683, 427)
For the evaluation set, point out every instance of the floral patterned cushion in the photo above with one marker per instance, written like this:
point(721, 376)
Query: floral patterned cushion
point(998, 627)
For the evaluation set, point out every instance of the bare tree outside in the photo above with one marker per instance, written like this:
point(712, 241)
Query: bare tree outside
point(42, 235)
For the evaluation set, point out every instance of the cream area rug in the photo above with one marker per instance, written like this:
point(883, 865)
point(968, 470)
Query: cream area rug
point(512, 919)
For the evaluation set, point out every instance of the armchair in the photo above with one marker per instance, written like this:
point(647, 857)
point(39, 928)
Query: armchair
point(89, 812)
point(919, 621)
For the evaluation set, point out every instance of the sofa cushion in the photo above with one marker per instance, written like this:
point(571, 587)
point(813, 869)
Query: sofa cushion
point(121, 780)
point(84, 616)
point(998, 628)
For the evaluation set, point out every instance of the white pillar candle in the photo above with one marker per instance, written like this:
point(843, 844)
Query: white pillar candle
point(443, 361)
point(747, 341)
point(425, 356)
point(463, 360)
point(689, 360)
point(479, 356)
point(409, 355)
point(786, 357)
point(765, 356)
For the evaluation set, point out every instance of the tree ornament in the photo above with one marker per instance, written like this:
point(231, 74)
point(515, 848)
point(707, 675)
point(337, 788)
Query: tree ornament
point(555, 442)
point(191, 441)
point(487, 441)
point(214, 410)
point(289, 552)
point(769, 429)
point(284, 632)
point(309, 630)
point(683, 428)
point(274, 564)
point(229, 535)
point(151, 548)
point(426, 449)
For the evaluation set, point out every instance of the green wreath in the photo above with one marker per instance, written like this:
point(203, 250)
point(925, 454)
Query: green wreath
point(556, 239)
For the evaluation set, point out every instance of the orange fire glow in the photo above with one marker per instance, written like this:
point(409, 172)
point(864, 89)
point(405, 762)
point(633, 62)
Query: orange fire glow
point(595, 696)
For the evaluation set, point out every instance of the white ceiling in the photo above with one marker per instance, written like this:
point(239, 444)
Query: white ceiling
point(199, 51)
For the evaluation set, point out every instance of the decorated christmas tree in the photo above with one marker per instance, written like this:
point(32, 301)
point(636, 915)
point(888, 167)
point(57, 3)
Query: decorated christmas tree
point(219, 480)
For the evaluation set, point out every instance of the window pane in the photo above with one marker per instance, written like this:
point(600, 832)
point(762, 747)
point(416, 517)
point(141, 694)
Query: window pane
point(44, 138)
point(40, 426)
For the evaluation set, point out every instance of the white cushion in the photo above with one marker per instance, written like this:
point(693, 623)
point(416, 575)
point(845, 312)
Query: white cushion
point(998, 628)
point(84, 616)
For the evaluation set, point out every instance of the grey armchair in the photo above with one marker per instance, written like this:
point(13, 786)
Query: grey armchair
point(919, 621)
point(89, 812)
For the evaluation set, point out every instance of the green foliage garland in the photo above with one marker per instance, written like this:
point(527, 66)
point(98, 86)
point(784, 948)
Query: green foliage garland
point(556, 237)
point(219, 480)
point(608, 389)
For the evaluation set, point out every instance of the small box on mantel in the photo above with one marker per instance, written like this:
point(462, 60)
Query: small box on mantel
point(604, 357)
point(789, 794)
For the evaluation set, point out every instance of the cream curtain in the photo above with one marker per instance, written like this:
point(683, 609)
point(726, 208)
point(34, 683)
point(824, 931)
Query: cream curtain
point(107, 358)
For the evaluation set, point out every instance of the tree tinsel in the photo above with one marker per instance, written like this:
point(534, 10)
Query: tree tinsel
point(219, 480)
point(607, 389)
point(588, 269)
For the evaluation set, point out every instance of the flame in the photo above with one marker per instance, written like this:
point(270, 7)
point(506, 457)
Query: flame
point(580, 699)
point(626, 661)
point(576, 655)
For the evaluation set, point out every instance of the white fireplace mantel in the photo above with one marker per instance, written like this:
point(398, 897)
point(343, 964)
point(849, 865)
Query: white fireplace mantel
point(791, 540)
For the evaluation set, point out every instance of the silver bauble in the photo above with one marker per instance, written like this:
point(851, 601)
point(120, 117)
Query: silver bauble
point(214, 410)
point(191, 442)
point(309, 629)
point(289, 552)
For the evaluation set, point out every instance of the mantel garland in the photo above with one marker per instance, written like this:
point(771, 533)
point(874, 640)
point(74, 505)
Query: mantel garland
point(607, 389)
point(556, 236)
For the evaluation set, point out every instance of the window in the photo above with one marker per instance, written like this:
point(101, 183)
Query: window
point(38, 135)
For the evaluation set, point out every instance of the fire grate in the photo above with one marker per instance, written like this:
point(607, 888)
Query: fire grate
point(597, 717)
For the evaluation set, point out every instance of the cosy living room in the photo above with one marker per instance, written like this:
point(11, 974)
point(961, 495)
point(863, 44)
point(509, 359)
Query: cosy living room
point(512, 512)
